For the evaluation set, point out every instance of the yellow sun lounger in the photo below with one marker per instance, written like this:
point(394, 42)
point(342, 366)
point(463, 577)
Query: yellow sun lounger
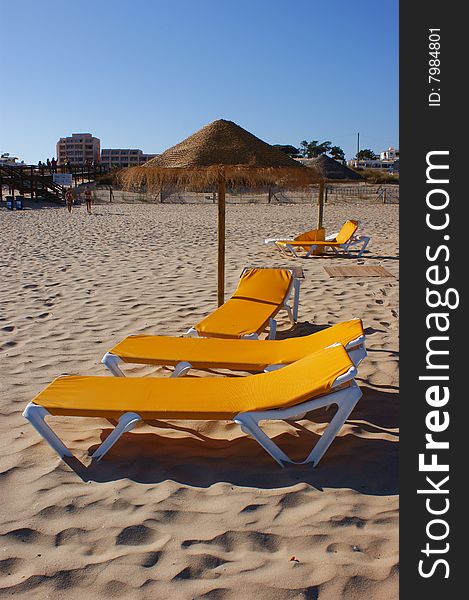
point(316, 381)
point(241, 355)
point(260, 294)
point(344, 241)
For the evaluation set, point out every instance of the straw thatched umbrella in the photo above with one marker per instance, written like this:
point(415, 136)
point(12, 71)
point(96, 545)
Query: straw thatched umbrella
point(330, 170)
point(220, 155)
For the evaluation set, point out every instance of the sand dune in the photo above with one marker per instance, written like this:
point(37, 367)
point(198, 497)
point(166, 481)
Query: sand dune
point(197, 511)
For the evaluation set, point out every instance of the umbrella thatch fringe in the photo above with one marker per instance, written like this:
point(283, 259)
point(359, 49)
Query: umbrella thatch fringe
point(154, 179)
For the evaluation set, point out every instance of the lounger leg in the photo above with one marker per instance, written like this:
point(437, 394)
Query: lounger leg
point(111, 362)
point(181, 369)
point(249, 426)
point(366, 241)
point(361, 241)
point(192, 332)
point(310, 251)
point(286, 306)
point(292, 250)
point(273, 328)
point(36, 414)
point(282, 248)
point(126, 423)
point(289, 310)
point(296, 298)
point(345, 398)
point(346, 403)
point(345, 248)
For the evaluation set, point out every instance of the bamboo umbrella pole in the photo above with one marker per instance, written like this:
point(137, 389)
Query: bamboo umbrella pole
point(320, 205)
point(221, 238)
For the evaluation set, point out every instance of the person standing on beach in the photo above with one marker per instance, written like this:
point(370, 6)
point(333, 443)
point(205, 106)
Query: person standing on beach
point(69, 199)
point(88, 200)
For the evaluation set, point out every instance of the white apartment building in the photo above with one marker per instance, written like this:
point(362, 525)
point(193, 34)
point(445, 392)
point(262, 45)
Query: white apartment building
point(389, 154)
point(388, 161)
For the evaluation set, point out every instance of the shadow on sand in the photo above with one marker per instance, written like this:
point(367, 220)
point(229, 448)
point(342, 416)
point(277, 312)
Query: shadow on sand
point(303, 328)
point(365, 460)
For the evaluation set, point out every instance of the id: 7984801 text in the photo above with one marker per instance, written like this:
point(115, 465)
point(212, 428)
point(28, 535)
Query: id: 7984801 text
point(434, 71)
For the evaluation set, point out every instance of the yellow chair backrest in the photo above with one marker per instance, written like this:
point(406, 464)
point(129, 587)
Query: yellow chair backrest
point(264, 285)
point(348, 229)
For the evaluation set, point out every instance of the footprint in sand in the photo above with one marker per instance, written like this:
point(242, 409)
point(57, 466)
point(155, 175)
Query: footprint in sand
point(24, 535)
point(10, 344)
point(251, 508)
point(8, 328)
point(150, 559)
point(134, 535)
point(9, 565)
point(199, 566)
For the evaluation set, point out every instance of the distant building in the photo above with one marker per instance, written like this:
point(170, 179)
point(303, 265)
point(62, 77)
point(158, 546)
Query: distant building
point(367, 163)
point(124, 157)
point(388, 161)
point(392, 166)
point(79, 149)
point(389, 154)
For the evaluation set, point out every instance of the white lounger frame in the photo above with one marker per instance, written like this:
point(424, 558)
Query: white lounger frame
point(329, 238)
point(359, 240)
point(356, 350)
point(345, 398)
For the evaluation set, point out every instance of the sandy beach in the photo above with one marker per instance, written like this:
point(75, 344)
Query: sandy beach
point(198, 510)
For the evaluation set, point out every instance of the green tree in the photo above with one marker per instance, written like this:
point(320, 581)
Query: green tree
point(366, 154)
point(337, 153)
point(304, 148)
point(313, 148)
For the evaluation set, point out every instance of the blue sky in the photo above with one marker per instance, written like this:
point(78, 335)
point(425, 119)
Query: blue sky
point(148, 73)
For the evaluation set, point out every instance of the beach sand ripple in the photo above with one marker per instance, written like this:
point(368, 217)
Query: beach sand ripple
point(198, 511)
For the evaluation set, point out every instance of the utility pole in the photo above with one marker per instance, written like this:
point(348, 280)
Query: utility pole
point(358, 143)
